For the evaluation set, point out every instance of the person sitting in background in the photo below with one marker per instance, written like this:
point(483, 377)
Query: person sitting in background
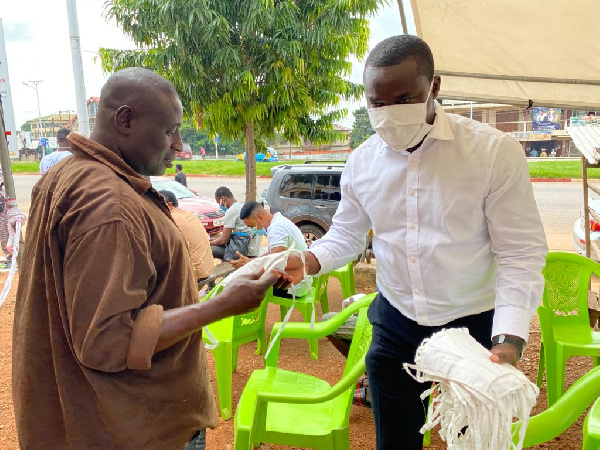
point(236, 235)
point(282, 234)
point(179, 175)
point(544, 154)
point(194, 234)
point(63, 151)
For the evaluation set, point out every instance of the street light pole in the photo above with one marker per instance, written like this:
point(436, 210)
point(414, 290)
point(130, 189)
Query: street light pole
point(82, 112)
point(37, 94)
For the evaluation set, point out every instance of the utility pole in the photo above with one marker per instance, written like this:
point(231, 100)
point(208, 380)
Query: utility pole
point(37, 94)
point(82, 112)
point(9, 184)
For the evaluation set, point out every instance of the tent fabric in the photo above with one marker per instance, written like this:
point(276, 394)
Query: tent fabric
point(515, 51)
point(587, 141)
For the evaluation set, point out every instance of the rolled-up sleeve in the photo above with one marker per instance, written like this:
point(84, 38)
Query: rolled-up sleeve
point(518, 241)
point(108, 273)
point(347, 237)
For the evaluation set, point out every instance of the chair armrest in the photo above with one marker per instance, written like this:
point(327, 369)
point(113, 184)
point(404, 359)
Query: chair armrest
point(321, 329)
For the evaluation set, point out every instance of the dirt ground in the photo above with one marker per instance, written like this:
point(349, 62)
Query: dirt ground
point(294, 356)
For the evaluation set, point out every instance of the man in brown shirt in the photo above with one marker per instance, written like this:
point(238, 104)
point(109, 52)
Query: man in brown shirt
point(107, 347)
point(194, 234)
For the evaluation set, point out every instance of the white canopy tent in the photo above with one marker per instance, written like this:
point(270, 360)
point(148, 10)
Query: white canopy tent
point(519, 52)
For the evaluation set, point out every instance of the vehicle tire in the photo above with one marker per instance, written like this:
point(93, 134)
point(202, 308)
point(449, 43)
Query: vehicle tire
point(311, 233)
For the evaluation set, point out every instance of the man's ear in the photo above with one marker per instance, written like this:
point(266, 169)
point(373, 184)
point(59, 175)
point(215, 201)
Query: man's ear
point(437, 85)
point(123, 118)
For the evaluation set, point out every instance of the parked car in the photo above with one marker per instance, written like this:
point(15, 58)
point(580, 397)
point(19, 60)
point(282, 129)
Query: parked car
point(579, 230)
point(205, 208)
point(271, 156)
point(185, 154)
point(308, 195)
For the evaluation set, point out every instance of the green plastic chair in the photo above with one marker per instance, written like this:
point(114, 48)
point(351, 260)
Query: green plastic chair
point(345, 275)
point(303, 304)
point(290, 408)
point(320, 285)
point(564, 318)
point(232, 332)
point(591, 428)
point(561, 415)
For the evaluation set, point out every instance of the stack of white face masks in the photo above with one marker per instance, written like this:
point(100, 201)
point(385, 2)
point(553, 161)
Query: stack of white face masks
point(276, 261)
point(476, 396)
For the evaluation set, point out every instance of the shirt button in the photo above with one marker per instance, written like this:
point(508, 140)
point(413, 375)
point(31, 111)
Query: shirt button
point(412, 226)
point(411, 193)
point(413, 259)
point(418, 291)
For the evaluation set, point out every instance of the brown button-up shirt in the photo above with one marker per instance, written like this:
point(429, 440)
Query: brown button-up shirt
point(102, 260)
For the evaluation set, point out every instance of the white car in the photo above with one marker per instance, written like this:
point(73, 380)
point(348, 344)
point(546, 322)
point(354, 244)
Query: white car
point(579, 231)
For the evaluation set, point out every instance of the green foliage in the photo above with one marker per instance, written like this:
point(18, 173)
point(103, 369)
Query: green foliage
point(250, 67)
point(361, 128)
point(26, 127)
point(199, 138)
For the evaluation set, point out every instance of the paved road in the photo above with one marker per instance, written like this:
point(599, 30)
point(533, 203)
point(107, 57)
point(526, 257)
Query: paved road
point(559, 203)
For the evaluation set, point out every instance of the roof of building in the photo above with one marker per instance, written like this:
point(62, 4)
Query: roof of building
point(337, 127)
point(58, 118)
point(587, 140)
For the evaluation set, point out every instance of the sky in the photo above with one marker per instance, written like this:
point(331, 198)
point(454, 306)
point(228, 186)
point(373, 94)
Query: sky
point(38, 48)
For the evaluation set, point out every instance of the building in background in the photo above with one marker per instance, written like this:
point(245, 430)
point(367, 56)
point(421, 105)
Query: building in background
point(63, 119)
point(339, 148)
point(537, 129)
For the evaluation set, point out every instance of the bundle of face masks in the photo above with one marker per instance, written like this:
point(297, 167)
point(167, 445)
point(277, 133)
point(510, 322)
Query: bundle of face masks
point(276, 261)
point(477, 399)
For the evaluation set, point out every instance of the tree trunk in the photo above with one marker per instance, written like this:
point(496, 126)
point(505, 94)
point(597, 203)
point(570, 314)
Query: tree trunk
point(250, 163)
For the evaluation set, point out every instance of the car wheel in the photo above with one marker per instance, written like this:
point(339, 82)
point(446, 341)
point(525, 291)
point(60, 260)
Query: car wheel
point(311, 233)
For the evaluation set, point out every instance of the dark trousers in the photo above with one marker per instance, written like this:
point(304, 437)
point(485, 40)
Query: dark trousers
point(398, 409)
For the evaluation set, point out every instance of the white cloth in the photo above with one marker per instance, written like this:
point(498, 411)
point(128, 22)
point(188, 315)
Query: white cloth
point(473, 392)
point(456, 228)
point(51, 159)
point(282, 232)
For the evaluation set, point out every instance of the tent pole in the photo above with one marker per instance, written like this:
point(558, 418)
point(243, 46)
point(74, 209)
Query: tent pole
point(402, 17)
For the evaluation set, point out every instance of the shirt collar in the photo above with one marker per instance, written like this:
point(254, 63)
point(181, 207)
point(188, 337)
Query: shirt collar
point(110, 159)
point(441, 127)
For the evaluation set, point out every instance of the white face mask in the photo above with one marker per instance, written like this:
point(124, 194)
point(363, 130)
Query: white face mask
point(401, 126)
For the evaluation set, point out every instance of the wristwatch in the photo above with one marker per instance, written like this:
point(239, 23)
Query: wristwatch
point(503, 338)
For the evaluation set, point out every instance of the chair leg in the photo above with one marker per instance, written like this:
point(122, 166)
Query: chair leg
point(557, 390)
point(283, 311)
point(540, 374)
point(261, 343)
point(223, 364)
point(234, 357)
point(241, 440)
point(324, 303)
point(596, 361)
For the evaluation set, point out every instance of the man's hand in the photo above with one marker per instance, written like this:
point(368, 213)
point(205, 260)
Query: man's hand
point(246, 292)
point(505, 353)
point(241, 261)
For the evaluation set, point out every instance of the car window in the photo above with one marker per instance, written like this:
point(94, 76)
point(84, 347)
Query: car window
point(327, 187)
point(176, 188)
point(297, 186)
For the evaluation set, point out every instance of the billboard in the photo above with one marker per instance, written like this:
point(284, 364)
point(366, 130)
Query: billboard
point(546, 119)
point(9, 115)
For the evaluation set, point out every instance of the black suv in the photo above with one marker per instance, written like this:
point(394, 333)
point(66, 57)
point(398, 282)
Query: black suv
point(307, 194)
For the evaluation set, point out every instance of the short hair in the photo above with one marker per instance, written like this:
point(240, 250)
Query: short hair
point(396, 49)
point(179, 166)
point(169, 197)
point(62, 134)
point(248, 209)
point(223, 191)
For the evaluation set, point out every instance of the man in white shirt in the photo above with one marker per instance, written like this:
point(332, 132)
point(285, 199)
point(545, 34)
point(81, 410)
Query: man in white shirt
point(281, 233)
point(457, 234)
point(63, 151)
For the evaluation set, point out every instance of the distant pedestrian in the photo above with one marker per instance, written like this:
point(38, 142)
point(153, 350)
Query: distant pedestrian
point(202, 152)
point(533, 153)
point(179, 175)
point(63, 151)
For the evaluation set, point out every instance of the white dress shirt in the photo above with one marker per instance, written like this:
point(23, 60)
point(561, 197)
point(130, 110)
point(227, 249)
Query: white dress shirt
point(456, 228)
point(53, 158)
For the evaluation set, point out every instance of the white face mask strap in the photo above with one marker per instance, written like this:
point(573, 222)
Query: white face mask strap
point(292, 250)
point(213, 342)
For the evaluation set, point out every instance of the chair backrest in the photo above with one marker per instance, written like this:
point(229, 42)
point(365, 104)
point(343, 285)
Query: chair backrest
point(567, 278)
point(319, 286)
point(361, 339)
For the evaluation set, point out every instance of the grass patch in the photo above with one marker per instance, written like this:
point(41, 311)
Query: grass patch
point(538, 169)
point(226, 168)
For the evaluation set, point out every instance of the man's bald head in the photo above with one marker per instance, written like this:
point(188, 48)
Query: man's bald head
point(132, 85)
point(139, 118)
